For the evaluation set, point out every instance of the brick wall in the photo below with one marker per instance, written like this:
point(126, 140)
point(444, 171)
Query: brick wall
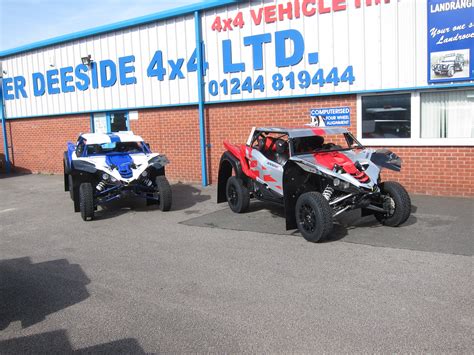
point(234, 121)
point(174, 132)
point(38, 143)
point(441, 171)
point(425, 170)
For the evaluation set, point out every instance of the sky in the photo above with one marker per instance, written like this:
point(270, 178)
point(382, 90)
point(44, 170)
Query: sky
point(27, 21)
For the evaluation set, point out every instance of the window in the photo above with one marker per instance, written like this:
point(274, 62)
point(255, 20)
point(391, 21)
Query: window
point(447, 114)
point(386, 116)
point(435, 117)
point(118, 122)
point(110, 122)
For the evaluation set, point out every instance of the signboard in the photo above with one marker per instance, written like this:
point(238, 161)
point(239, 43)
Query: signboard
point(253, 50)
point(450, 40)
point(331, 117)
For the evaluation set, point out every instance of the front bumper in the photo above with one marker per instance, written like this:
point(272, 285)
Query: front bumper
point(440, 70)
point(119, 190)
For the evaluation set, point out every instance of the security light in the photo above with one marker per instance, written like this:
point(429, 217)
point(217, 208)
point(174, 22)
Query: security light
point(86, 60)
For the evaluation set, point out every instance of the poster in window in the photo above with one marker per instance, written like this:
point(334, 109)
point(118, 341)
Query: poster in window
point(450, 40)
point(100, 123)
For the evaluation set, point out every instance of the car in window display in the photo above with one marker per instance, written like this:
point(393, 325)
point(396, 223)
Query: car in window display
point(313, 179)
point(449, 64)
point(101, 168)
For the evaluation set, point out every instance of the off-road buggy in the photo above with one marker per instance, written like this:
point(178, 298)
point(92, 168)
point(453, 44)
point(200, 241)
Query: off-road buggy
point(101, 168)
point(314, 180)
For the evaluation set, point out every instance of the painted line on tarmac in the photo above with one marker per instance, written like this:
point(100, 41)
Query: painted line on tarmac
point(8, 210)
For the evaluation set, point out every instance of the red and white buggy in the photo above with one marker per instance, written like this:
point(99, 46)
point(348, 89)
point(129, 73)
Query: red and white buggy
point(313, 179)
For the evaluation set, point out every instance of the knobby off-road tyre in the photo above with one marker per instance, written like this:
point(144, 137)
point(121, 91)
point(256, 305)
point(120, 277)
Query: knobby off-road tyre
point(164, 189)
point(401, 206)
point(86, 201)
point(313, 216)
point(237, 194)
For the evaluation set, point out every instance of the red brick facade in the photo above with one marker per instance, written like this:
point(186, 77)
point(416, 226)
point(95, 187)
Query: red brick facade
point(38, 143)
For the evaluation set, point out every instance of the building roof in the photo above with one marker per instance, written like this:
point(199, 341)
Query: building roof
point(104, 138)
point(180, 11)
point(305, 131)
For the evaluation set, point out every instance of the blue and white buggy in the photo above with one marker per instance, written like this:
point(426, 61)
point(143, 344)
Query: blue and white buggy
point(101, 168)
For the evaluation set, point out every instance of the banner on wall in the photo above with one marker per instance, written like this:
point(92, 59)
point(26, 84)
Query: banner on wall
point(450, 40)
point(331, 117)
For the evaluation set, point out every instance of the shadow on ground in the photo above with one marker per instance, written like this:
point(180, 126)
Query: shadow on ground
point(184, 197)
point(4, 175)
point(29, 292)
point(269, 218)
point(432, 232)
point(57, 342)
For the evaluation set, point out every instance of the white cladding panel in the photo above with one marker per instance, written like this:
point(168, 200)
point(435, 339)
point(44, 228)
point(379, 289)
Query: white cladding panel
point(174, 37)
point(384, 44)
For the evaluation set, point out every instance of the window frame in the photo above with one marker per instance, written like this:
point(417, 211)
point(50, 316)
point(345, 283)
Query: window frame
point(415, 139)
point(108, 118)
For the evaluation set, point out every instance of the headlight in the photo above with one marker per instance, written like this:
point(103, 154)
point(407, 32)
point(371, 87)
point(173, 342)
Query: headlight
point(336, 182)
point(105, 176)
point(145, 173)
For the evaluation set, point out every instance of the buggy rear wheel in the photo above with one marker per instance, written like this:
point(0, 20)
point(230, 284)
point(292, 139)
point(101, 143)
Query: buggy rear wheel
point(238, 196)
point(313, 216)
point(86, 201)
point(396, 202)
point(164, 189)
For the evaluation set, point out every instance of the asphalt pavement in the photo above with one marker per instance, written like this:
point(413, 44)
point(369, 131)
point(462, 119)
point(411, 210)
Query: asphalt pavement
point(202, 279)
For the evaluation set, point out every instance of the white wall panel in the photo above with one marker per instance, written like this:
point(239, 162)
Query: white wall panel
point(372, 39)
point(174, 37)
point(384, 43)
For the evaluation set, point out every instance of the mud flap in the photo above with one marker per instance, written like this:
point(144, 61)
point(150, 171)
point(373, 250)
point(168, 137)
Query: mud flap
point(75, 198)
point(227, 164)
point(293, 179)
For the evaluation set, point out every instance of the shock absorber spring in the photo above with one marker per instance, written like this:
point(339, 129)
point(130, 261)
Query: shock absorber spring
point(327, 193)
point(100, 186)
point(145, 181)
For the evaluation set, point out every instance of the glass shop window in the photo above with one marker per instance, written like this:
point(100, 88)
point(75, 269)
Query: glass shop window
point(118, 122)
point(110, 122)
point(447, 114)
point(386, 116)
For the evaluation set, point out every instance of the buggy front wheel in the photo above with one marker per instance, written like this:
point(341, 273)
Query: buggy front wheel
point(313, 216)
point(396, 203)
point(164, 189)
point(86, 201)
